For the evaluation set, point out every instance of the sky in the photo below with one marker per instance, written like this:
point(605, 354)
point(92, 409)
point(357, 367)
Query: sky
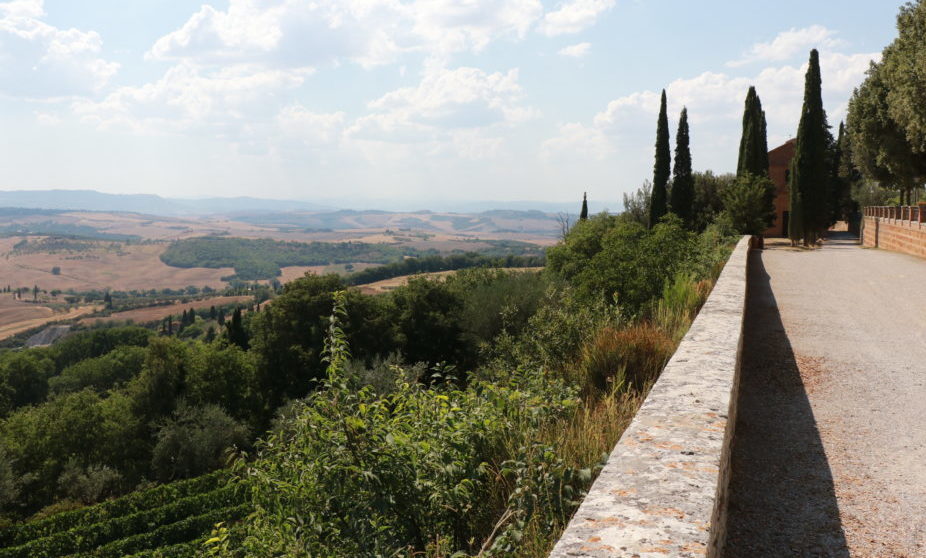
point(404, 100)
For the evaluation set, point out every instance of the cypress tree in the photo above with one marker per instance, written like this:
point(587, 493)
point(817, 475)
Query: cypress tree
point(809, 172)
point(236, 333)
point(682, 196)
point(583, 215)
point(753, 155)
point(659, 199)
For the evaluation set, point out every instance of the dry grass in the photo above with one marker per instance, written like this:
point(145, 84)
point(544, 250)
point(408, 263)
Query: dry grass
point(126, 267)
point(11, 328)
point(386, 285)
point(155, 313)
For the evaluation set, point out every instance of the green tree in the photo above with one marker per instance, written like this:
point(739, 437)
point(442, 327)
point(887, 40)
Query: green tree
point(236, 332)
point(637, 204)
point(809, 169)
point(880, 148)
point(682, 200)
point(753, 154)
point(583, 215)
point(708, 200)
point(904, 60)
point(659, 200)
point(194, 441)
point(746, 203)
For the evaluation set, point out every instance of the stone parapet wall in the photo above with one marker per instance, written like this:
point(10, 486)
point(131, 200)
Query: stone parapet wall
point(663, 491)
point(898, 235)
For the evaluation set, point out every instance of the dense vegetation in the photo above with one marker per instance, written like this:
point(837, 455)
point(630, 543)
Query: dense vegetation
point(430, 264)
point(262, 258)
point(443, 416)
point(886, 127)
point(168, 519)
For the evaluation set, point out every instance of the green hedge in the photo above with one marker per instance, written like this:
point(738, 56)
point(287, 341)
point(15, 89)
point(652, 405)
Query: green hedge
point(186, 530)
point(182, 550)
point(126, 505)
point(88, 537)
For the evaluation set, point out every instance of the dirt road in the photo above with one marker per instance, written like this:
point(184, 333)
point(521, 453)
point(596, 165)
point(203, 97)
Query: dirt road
point(830, 453)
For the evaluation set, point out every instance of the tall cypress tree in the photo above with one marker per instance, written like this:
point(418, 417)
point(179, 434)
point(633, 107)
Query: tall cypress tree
point(753, 156)
point(659, 199)
point(583, 215)
point(682, 195)
point(809, 168)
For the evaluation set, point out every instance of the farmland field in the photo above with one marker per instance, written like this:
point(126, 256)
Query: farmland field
point(17, 316)
point(386, 285)
point(155, 313)
point(168, 520)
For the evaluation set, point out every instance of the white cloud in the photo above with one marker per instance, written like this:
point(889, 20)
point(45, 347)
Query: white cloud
point(38, 60)
point(577, 140)
point(715, 104)
point(575, 51)
point(788, 44)
point(313, 130)
point(367, 32)
point(573, 16)
point(225, 102)
point(445, 101)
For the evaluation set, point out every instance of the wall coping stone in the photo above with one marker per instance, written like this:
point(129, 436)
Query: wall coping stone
point(663, 490)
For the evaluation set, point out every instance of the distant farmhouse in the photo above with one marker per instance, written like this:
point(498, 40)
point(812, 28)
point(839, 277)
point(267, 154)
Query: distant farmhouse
point(779, 163)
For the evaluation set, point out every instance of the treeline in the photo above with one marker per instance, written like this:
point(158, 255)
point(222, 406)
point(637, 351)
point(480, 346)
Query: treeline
point(262, 258)
point(430, 264)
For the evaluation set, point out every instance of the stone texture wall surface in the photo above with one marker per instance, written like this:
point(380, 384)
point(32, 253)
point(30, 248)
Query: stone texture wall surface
point(663, 491)
point(898, 235)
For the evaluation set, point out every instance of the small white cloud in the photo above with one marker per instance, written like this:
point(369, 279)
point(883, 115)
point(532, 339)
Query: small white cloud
point(573, 16)
point(47, 119)
point(312, 129)
point(788, 44)
point(575, 51)
point(43, 61)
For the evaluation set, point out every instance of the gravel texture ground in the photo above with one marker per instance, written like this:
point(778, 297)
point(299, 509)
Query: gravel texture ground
point(829, 457)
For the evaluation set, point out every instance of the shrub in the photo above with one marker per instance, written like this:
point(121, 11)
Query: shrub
point(194, 440)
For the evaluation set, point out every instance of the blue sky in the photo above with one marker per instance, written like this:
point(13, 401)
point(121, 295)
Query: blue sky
point(420, 100)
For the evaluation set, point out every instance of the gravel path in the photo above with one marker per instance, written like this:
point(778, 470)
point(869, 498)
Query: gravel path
point(830, 453)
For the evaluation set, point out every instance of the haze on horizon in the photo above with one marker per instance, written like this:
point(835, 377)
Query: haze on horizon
point(388, 99)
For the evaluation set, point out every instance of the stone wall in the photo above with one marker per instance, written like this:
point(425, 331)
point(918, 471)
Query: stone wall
point(663, 491)
point(899, 235)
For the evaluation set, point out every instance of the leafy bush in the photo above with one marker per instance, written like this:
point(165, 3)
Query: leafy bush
point(749, 203)
point(194, 440)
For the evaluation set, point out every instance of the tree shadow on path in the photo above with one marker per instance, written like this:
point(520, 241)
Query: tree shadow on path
point(782, 499)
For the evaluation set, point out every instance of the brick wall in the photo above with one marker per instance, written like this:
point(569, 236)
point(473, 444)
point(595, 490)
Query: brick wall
point(898, 235)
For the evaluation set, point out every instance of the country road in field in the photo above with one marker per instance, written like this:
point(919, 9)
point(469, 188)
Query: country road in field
point(829, 457)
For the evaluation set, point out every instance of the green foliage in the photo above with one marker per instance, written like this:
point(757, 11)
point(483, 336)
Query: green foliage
point(904, 60)
point(357, 474)
point(879, 145)
point(708, 200)
point(809, 179)
point(748, 203)
point(430, 264)
point(682, 193)
point(618, 260)
point(100, 373)
point(659, 200)
point(134, 503)
point(195, 440)
point(753, 155)
point(583, 213)
point(262, 258)
point(637, 204)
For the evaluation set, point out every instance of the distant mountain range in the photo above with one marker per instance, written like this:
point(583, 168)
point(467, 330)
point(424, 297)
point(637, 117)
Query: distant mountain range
point(91, 200)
